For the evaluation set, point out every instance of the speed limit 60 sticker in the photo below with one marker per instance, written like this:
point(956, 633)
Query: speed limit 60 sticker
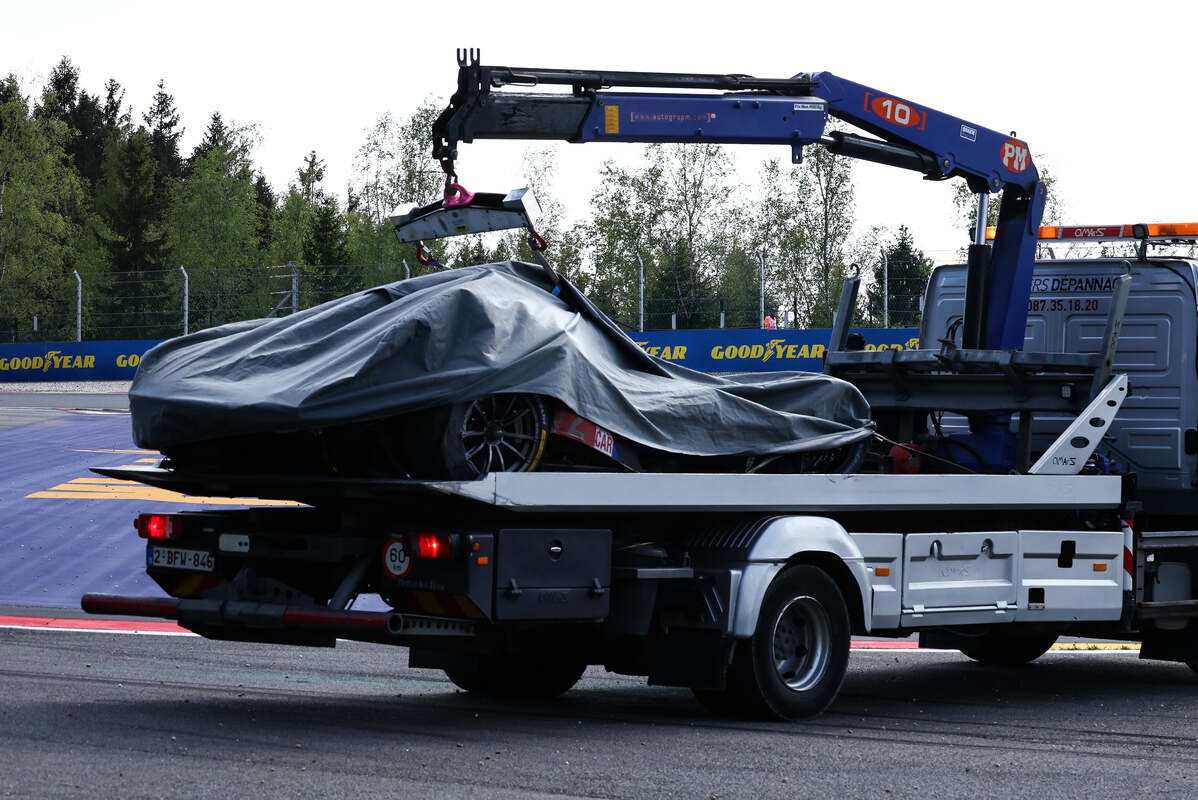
point(397, 561)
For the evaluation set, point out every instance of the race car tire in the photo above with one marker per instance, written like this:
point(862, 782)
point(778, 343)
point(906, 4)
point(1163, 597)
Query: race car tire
point(465, 441)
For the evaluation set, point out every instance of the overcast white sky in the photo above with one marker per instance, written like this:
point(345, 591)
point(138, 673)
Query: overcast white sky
point(1103, 92)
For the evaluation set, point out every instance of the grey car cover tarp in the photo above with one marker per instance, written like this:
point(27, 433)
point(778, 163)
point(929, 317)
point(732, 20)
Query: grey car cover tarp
point(460, 335)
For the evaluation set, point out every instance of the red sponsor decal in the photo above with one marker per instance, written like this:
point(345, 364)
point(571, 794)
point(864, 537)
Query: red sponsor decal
point(897, 112)
point(567, 423)
point(1015, 155)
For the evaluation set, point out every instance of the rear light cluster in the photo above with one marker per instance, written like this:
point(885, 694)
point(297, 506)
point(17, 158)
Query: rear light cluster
point(437, 545)
point(159, 526)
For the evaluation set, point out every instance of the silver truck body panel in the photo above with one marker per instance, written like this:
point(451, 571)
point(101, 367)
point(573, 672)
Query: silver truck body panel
point(781, 494)
point(782, 539)
point(980, 577)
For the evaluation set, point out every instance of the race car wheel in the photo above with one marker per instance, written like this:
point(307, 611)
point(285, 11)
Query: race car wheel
point(1009, 648)
point(794, 664)
point(500, 433)
point(465, 441)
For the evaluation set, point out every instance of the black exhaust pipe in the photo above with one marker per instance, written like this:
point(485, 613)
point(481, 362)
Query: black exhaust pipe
point(211, 616)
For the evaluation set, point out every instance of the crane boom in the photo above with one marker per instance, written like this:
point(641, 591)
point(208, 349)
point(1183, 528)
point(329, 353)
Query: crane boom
point(741, 109)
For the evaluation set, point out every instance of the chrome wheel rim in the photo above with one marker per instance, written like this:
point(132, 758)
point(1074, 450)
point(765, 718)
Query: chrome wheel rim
point(800, 643)
point(503, 433)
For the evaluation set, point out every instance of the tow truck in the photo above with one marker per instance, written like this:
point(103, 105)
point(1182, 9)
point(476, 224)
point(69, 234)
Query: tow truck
point(1004, 526)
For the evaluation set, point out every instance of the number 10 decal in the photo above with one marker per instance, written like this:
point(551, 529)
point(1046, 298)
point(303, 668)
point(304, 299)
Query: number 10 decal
point(896, 112)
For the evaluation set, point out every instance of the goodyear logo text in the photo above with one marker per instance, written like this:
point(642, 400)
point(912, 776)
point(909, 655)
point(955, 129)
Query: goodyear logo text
point(53, 359)
point(47, 361)
point(739, 350)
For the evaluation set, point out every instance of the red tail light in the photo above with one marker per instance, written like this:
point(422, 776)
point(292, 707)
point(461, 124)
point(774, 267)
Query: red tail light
point(159, 526)
point(435, 545)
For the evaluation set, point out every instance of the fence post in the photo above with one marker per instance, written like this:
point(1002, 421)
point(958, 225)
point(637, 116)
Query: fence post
point(294, 286)
point(673, 320)
point(407, 272)
point(640, 282)
point(761, 289)
point(78, 306)
point(186, 297)
point(721, 312)
point(885, 290)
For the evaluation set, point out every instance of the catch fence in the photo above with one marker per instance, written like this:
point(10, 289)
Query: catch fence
point(160, 304)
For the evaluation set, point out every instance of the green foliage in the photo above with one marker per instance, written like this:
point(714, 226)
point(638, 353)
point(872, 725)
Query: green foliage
point(213, 227)
point(42, 200)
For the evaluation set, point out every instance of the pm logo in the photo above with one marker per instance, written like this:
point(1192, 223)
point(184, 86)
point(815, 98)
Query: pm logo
point(1014, 155)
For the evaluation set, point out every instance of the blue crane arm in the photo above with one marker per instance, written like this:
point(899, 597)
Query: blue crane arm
point(792, 111)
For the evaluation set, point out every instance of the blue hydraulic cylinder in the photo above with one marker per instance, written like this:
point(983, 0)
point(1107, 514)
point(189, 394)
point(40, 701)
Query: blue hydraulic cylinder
point(721, 119)
point(1009, 287)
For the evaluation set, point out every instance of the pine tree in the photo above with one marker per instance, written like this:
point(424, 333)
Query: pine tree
point(127, 202)
point(325, 243)
point(264, 213)
point(90, 134)
point(310, 175)
point(908, 270)
point(162, 121)
point(325, 247)
point(61, 93)
point(114, 101)
point(217, 136)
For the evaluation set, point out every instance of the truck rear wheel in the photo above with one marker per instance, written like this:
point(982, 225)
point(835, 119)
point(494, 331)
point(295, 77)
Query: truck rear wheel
point(524, 677)
point(794, 664)
point(1009, 648)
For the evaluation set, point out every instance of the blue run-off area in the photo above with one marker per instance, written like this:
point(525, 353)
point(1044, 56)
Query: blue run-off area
point(718, 350)
point(56, 548)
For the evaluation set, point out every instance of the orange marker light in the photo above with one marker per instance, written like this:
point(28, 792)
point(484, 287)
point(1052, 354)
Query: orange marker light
point(1100, 233)
point(1100, 567)
point(483, 561)
point(882, 572)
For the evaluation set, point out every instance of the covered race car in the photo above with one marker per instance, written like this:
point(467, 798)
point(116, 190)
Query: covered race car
point(460, 373)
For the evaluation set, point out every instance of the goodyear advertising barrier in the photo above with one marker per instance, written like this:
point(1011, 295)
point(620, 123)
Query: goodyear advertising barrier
point(72, 361)
point(736, 350)
point(727, 350)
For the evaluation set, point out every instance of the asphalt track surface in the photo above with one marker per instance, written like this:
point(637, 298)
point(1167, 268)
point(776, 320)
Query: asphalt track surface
point(96, 714)
point(104, 715)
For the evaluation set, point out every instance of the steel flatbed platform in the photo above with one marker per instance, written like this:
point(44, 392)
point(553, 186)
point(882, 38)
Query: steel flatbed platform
point(670, 492)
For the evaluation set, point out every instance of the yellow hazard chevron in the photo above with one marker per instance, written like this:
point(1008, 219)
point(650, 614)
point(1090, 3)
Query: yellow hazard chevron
point(90, 488)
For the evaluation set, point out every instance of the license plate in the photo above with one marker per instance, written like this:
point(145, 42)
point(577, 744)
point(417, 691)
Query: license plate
point(178, 558)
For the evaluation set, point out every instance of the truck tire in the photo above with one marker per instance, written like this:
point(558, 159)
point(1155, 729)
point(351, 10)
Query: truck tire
point(1009, 648)
point(794, 664)
point(527, 678)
